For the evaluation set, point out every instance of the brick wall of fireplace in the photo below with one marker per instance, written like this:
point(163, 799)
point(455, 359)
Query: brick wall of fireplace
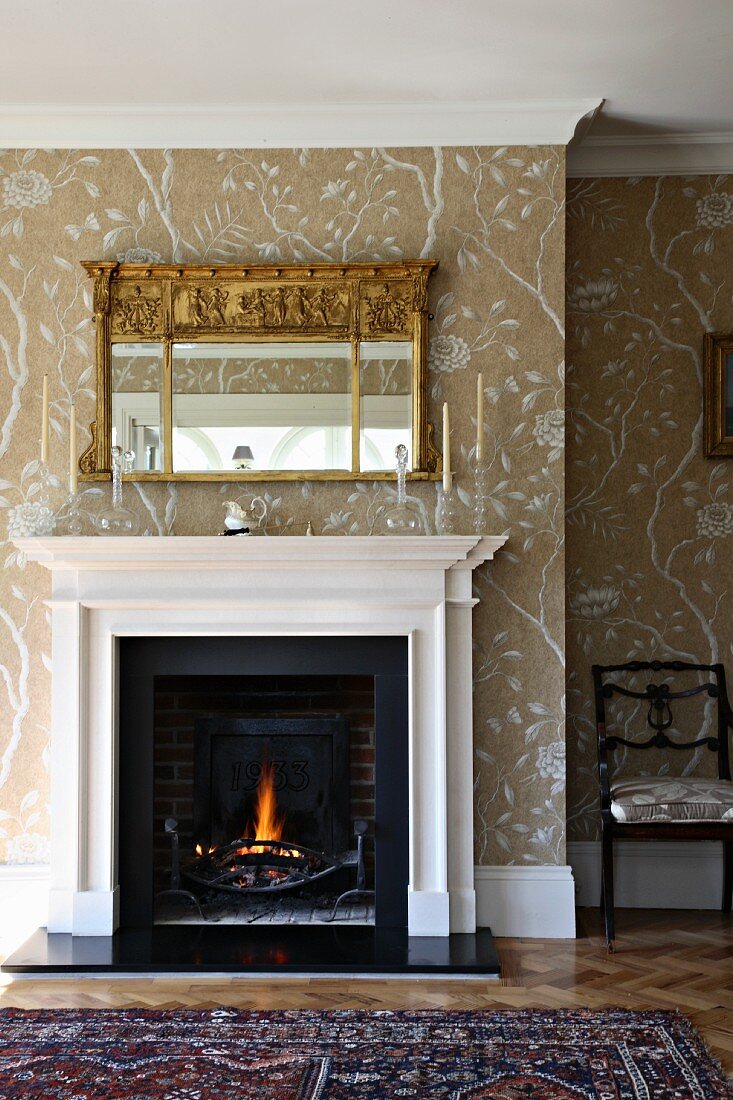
point(179, 701)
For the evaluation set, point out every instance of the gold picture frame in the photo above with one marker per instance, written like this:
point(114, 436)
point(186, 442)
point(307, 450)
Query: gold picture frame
point(293, 303)
point(718, 395)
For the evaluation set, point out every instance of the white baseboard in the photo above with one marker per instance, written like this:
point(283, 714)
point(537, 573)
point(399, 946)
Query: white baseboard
point(651, 874)
point(526, 901)
point(23, 902)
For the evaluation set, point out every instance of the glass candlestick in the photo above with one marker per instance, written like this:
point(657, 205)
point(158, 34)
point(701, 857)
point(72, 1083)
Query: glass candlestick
point(73, 518)
point(403, 516)
point(480, 493)
point(118, 520)
point(446, 512)
point(45, 485)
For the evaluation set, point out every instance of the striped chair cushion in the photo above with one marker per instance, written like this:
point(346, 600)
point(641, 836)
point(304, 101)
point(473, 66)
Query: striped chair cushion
point(651, 799)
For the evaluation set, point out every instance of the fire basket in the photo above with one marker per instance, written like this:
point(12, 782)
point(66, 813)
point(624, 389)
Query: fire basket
point(261, 866)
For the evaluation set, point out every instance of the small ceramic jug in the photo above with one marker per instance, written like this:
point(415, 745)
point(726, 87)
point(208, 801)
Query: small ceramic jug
point(241, 517)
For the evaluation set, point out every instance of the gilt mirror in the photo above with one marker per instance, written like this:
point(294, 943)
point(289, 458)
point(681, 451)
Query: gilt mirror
point(250, 373)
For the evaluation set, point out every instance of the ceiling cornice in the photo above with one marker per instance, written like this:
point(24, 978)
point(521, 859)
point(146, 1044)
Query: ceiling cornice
point(536, 122)
point(670, 154)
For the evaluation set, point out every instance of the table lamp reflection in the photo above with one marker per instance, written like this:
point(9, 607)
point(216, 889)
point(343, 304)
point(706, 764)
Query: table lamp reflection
point(243, 457)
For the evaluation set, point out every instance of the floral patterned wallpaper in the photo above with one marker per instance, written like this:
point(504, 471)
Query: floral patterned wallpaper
point(649, 518)
point(494, 217)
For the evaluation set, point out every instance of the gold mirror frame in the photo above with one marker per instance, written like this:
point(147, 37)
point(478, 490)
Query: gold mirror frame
point(173, 302)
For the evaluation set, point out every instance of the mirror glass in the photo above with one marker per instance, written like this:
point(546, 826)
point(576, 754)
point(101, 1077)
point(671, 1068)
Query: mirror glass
point(137, 394)
point(261, 406)
point(386, 402)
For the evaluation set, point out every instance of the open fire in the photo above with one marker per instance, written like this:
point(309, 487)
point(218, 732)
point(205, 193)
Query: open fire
point(261, 860)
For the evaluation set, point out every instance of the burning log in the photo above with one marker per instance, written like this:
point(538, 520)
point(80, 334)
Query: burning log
point(259, 865)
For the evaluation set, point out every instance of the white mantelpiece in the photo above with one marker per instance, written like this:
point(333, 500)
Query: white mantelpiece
point(106, 588)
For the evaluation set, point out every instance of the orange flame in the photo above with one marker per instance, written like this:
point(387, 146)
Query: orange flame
point(268, 823)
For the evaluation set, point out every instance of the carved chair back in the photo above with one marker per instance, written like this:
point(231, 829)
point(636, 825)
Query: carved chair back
point(660, 717)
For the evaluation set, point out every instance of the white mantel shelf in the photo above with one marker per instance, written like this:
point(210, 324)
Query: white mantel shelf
point(160, 552)
point(108, 588)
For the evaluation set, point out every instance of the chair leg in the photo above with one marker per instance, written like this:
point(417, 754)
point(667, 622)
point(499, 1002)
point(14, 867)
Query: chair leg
point(727, 875)
point(607, 889)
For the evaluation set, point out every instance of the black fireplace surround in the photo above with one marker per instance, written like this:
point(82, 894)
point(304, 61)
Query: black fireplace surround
point(143, 661)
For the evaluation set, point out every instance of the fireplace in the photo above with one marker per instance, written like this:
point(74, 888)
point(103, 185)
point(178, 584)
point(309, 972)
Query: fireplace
point(263, 780)
point(296, 627)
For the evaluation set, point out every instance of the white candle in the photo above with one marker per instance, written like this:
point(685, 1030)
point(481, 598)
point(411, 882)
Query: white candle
point(44, 421)
point(73, 476)
point(480, 417)
point(447, 475)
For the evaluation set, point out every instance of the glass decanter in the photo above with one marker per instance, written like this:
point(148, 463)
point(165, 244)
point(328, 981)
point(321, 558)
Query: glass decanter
point(403, 516)
point(118, 520)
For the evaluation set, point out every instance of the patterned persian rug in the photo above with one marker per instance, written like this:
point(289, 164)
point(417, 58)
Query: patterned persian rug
point(227, 1055)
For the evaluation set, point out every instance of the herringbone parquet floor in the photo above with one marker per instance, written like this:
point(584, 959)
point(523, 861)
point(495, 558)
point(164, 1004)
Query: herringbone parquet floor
point(676, 960)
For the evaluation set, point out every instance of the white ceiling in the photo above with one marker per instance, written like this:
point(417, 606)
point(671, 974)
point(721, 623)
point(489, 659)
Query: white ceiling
point(73, 70)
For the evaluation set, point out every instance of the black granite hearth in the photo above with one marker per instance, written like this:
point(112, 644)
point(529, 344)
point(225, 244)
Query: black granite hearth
point(233, 950)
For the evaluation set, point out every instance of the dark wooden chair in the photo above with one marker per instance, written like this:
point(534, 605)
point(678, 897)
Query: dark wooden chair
point(660, 807)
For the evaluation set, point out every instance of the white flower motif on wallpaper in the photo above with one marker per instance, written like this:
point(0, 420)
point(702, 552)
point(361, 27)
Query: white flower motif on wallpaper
point(595, 602)
point(715, 520)
point(448, 353)
point(30, 518)
point(593, 296)
point(28, 848)
point(139, 256)
point(551, 760)
point(549, 429)
point(26, 188)
point(715, 210)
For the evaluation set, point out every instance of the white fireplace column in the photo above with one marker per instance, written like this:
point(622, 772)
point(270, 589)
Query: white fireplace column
point(106, 588)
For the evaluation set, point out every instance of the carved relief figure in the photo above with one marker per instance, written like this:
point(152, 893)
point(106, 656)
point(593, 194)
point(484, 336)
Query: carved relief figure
point(299, 305)
point(216, 302)
point(251, 309)
point(197, 305)
point(385, 312)
point(320, 304)
point(138, 313)
point(276, 298)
